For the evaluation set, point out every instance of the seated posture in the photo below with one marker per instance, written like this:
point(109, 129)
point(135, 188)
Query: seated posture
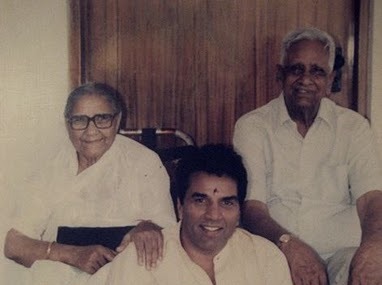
point(206, 247)
point(314, 174)
point(99, 180)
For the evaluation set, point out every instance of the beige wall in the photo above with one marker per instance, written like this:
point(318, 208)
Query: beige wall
point(34, 83)
point(33, 89)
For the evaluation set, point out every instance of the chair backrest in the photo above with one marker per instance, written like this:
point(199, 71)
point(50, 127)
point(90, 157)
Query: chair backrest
point(170, 144)
point(159, 138)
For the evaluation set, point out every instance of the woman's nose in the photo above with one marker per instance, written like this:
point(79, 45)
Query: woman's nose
point(91, 128)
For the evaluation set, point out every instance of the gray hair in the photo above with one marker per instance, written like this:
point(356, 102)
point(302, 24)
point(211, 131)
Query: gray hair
point(312, 34)
point(97, 89)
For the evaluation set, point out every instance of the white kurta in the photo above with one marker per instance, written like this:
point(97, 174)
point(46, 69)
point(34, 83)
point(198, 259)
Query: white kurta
point(128, 184)
point(245, 260)
point(310, 184)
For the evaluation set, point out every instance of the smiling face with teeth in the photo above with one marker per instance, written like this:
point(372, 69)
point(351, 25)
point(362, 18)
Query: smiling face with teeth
point(210, 213)
point(306, 78)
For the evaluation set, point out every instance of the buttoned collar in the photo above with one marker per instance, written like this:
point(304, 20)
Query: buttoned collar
point(325, 112)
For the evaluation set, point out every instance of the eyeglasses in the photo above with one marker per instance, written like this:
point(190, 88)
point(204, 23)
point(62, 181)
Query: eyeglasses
point(101, 121)
point(299, 70)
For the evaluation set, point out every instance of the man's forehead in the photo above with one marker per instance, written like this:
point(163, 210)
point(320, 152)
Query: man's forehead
point(308, 44)
point(212, 185)
point(308, 53)
point(212, 194)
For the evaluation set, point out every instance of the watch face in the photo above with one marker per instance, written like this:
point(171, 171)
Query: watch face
point(284, 238)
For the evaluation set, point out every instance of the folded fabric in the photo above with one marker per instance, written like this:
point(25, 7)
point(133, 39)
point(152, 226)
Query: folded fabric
point(109, 237)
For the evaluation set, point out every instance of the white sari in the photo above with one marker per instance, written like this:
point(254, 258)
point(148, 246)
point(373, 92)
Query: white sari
point(128, 184)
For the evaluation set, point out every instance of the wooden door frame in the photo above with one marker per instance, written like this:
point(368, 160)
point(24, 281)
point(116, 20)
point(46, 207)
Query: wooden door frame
point(75, 43)
point(361, 66)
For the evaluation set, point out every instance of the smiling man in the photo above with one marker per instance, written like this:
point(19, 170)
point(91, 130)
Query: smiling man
point(314, 174)
point(207, 247)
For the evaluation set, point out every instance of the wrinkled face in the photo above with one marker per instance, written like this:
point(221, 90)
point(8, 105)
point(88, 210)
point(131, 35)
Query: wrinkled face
point(92, 142)
point(307, 77)
point(209, 214)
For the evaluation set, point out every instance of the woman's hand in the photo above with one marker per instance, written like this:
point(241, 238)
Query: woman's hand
point(89, 258)
point(26, 251)
point(148, 240)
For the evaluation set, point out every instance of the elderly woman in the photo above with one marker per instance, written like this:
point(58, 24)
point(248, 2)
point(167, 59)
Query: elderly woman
point(100, 179)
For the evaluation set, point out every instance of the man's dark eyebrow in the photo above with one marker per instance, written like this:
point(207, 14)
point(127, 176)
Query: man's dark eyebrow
point(317, 66)
point(202, 195)
point(228, 198)
point(198, 195)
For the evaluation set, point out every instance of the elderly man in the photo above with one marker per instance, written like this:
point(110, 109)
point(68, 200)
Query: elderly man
point(206, 247)
point(315, 177)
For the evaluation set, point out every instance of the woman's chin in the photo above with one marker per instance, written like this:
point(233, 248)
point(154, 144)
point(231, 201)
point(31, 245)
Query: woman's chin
point(92, 154)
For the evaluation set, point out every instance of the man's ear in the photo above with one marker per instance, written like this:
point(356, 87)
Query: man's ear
point(330, 83)
point(279, 72)
point(180, 209)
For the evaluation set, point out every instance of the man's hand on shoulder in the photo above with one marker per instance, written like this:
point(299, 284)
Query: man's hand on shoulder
point(305, 264)
point(148, 240)
point(366, 265)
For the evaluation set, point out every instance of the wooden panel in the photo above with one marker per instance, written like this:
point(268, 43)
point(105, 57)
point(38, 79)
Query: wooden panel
point(75, 43)
point(362, 57)
point(197, 65)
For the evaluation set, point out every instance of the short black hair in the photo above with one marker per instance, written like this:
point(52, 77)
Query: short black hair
point(216, 159)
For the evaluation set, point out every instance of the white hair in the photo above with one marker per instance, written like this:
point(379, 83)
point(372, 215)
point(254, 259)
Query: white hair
point(312, 34)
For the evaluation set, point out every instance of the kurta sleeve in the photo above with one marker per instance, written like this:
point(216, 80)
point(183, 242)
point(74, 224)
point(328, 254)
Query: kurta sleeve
point(249, 141)
point(365, 170)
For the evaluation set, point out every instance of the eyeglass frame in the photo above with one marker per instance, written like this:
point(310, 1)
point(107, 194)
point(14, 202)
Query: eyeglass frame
point(298, 70)
point(91, 119)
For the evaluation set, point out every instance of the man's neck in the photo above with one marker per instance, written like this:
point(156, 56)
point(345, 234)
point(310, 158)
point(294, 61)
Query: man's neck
point(202, 257)
point(206, 262)
point(304, 118)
